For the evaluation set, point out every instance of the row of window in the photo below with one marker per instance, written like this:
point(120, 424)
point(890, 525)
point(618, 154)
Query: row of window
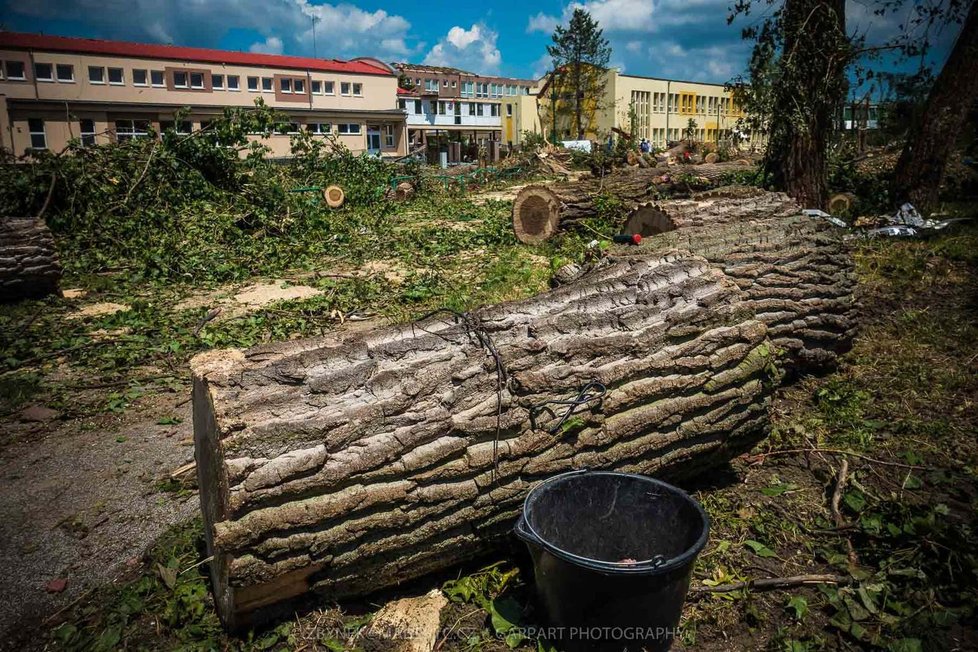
point(474, 89)
point(135, 128)
point(447, 107)
point(182, 79)
point(644, 101)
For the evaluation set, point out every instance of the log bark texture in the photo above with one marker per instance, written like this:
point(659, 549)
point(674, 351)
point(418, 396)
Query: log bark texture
point(29, 264)
point(716, 207)
point(540, 211)
point(345, 465)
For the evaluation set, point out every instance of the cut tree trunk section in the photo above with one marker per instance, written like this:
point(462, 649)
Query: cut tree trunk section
point(29, 264)
point(540, 211)
point(348, 464)
point(721, 206)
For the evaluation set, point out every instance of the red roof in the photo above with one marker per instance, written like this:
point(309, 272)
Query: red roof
point(177, 53)
point(404, 91)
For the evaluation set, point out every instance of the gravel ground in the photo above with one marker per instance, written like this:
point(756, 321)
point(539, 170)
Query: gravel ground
point(80, 501)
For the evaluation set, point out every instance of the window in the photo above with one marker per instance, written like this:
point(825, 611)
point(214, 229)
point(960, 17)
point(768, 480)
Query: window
point(292, 128)
point(494, 110)
point(468, 89)
point(36, 128)
point(328, 88)
point(286, 85)
point(433, 107)
point(358, 90)
point(351, 129)
point(267, 84)
point(87, 132)
point(319, 128)
point(180, 79)
point(431, 85)
point(299, 86)
point(96, 75)
point(116, 78)
point(509, 110)
point(196, 80)
point(217, 82)
point(65, 72)
point(316, 87)
point(454, 84)
point(138, 77)
point(441, 108)
point(388, 135)
point(130, 129)
point(479, 108)
point(417, 107)
point(253, 84)
point(233, 83)
point(445, 83)
point(15, 70)
point(182, 127)
point(345, 88)
point(156, 78)
point(482, 90)
point(44, 72)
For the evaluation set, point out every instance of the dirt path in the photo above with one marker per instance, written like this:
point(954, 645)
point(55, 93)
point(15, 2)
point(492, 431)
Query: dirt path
point(80, 501)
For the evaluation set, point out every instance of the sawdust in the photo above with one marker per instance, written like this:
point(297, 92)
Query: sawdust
point(74, 293)
point(98, 310)
point(263, 294)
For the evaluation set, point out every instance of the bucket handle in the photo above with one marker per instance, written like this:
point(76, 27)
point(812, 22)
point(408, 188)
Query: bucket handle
point(522, 528)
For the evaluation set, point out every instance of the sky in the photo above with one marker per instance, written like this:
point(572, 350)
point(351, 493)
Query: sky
point(677, 39)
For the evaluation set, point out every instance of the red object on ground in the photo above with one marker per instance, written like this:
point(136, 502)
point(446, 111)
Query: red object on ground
point(57, 585)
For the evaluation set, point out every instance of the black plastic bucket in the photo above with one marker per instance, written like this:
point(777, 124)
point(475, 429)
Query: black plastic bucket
point(612, 556)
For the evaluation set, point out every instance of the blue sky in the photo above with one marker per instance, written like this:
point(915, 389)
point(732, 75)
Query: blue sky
point(681, 39)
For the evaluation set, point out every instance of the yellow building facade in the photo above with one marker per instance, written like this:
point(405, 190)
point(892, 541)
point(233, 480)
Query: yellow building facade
point(653, 108)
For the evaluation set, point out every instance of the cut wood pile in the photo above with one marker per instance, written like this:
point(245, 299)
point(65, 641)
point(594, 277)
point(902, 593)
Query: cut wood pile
point(347, 464)
point(29, 265)
point(541, 210)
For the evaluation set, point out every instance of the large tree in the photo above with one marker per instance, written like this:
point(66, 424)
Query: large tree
point(580, 54)
point(920, 170)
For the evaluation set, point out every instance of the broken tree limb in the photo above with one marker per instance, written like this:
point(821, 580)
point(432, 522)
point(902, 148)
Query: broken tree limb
point(540, 211)
point(771, 583)
point(29, 264)
point(348, 464)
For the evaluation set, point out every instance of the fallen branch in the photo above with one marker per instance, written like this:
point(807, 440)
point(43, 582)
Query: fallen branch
point(837, 494)
point(834, 451)
point(771, 583)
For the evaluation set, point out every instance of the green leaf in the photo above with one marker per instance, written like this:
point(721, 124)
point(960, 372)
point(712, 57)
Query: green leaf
point(169, 421)
point(505, 613)
point(906, 645)
point(778, 489)
point(759, 548)
point(799, 605)
point(912, 482)
point(855, 500)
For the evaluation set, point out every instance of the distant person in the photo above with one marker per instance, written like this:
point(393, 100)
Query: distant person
point(644, 147)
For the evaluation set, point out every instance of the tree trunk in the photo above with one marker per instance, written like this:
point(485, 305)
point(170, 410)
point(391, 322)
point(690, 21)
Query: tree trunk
point(739, 204)
point(344, 465)
point(29, 265)
point(920, 170)
point(810, 88)
point(539, 211)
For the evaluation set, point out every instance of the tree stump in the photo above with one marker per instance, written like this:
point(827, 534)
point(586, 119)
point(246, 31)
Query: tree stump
point(29, 264)
point(348, 464)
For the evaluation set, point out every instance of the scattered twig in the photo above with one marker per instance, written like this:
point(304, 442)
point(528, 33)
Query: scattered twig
point(771, 583)
point(211, 314)
point(47, 200)
point(149, 159)
point(180, 470)
point(840, 486)
point(199, 563)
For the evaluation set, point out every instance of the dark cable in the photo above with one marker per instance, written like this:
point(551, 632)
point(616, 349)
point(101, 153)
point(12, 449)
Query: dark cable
point(593, 391)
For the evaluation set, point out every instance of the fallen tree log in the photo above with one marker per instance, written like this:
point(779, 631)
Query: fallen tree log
point(797, 277)
point(540, 211)
point(29, 264)
point(721, 206)
point(344, 465)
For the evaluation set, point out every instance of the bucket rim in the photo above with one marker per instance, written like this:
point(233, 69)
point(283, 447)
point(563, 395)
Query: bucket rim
point(611, 566)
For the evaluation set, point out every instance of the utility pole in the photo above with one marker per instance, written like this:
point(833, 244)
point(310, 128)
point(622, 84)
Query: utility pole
point(315, 55)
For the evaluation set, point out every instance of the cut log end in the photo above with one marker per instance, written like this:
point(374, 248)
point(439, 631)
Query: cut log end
point(334, 196)
point(536, 215)
point(648, 220)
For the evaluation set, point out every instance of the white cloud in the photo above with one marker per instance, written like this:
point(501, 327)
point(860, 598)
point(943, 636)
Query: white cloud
point(542, 23)
point(618, 15)
point(271, 45)
point(471, 49)
point(342, 30)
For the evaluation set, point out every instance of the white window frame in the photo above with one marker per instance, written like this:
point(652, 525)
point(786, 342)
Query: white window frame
point(444, 83)
point(89, 133)
point(132, 133)
point(188, 127)
point(329, 88)
point(357, 89)
point(237, 83)
point(101, 69)
point(217, 82)
point(347, 129)
point(186, 79)
point(299, 86)
point(122, 77)
point(267, 84)
point(257, 88)
point(37, 75)
point(347, 87)
point(319, 128)
point(70, 79)
point(145, 81)
point(285, 85)
point(33, 132)
point(23, 71)
point(312, 87)
point(162, 74)
point(387, 131)
point(202, 81)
